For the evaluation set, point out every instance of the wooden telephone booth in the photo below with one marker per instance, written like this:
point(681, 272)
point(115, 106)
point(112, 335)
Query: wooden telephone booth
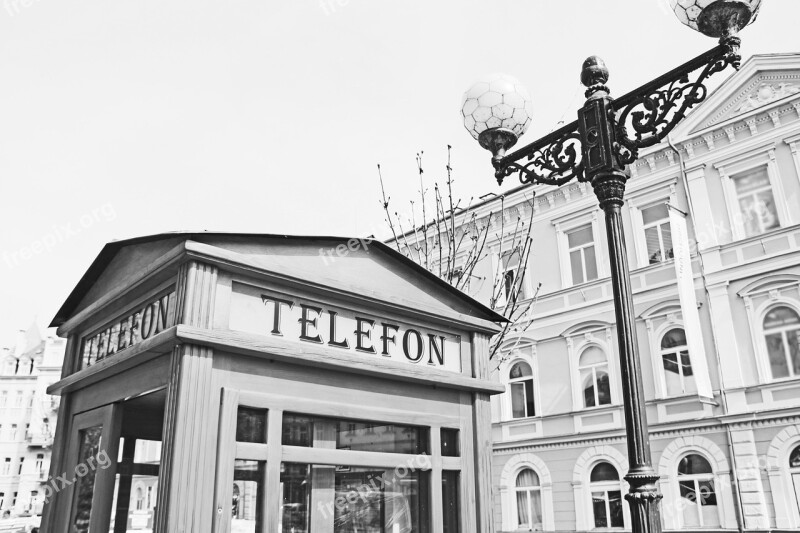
point(221, 382)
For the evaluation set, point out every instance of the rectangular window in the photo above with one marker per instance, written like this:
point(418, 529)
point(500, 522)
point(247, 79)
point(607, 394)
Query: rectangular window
point(21, 462)
point(522, 403)
point(4, 398)
point(657, 233)
point(7, 466)
point(18, 399)
point(449, 441)
point(251, 425)
point(582, 259)
point(299, 430)
point(512, 287)
point(13, 436)
point(756, 201)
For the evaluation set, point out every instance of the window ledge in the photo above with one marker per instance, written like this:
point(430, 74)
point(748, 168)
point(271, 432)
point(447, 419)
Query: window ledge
point(756, 238)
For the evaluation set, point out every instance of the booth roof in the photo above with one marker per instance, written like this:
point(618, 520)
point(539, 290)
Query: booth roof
point(111, 249)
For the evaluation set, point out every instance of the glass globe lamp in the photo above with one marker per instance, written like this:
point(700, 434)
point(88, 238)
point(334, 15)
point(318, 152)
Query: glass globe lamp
point(716, 18)
point(497, 110)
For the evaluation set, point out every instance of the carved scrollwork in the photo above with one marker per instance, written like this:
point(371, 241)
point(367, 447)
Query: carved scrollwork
point(644, 118)
point(554, 160)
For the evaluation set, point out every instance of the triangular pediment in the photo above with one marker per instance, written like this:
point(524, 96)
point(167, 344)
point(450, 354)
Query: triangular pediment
point(764, 81)
point(360, 267)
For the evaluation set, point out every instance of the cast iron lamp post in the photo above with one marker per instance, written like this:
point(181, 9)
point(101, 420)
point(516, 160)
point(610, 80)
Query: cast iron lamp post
point(596, 148)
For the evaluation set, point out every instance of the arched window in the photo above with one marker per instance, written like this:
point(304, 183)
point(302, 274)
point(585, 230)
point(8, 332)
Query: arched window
point(698, 495)
point(606, 496)
point(593, 369)
point(520, 385)
point(139, 499)
point(782, 334)
point(678, 374)
point(794, 471)
point(529, 500)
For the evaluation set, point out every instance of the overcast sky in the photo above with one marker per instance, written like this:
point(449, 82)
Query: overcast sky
point(121, 118)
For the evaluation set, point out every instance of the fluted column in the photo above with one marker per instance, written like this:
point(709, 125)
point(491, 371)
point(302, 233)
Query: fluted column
point(188, 454)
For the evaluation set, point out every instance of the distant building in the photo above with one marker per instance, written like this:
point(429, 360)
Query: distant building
point(731, 461)
point(27, 420)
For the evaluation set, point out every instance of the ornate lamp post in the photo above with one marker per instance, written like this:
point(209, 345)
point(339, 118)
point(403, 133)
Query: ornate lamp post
point(596, 148)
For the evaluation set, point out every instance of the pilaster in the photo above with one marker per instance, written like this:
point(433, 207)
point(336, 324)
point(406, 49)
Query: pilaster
point(190, 417)
point(725, 333)
point(751, 489)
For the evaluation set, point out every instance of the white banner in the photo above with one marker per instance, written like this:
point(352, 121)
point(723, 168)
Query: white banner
point(691, 318)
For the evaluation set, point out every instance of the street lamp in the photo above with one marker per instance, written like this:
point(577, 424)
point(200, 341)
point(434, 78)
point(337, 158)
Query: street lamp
point(596, 148)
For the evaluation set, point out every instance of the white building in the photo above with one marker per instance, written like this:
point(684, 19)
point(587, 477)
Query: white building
point(27, 420)
point(728, 462)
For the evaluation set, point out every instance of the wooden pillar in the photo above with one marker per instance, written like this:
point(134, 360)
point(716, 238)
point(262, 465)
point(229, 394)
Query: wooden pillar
point(482, 430)
point(124, 487)
point(60, 441)
point(188, 453)
point(323, 481)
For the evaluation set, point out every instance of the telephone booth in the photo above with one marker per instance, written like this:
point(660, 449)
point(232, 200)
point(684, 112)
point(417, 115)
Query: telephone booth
point(219, 382)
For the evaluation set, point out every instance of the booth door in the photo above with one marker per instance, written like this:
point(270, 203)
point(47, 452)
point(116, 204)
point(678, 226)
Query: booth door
point(91, 468)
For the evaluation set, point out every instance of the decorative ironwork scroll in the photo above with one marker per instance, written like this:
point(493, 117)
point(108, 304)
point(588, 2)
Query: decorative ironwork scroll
point(647, 115)
point(553, 160)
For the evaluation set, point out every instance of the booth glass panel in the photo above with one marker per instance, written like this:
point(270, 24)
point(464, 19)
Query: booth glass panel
point(299, 430)
point(251, 425)
point(344, 499)
point(90, 440)
point(248, 487)
point(450, 505)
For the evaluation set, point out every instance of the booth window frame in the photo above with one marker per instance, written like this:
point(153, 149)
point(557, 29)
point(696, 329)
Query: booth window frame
point(273, 452)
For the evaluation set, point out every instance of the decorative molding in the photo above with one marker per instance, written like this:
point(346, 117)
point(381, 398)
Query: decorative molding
point(730, 132)
point(751, 123)
point(766, 94)
point(709, 139)
point(775, 115)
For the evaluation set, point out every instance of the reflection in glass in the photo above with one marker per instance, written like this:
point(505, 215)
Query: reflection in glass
point(246, 505)
point(298, 430)
point(139, 513)
point(84, 485)
point(756, 201)
point(782, 335)
point(698, 497)
point(350, 499)
point(251, 425)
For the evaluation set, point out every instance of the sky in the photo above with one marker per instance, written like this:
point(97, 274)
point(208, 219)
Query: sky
point(122, 118)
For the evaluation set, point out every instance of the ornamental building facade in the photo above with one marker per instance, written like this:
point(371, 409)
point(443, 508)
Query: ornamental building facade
point(27, 421)
point(720, 353)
